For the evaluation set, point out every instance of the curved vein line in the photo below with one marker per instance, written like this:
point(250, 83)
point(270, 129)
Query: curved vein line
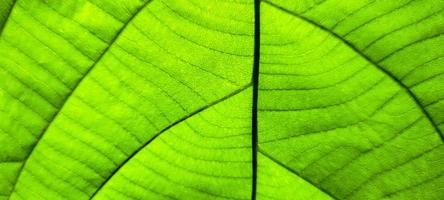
point(427, 79)
point(45, 45)
point(181, 153)
point(29, 15)
point(388, 170)
point(181, 15)
point(378, 17)
point(34, 60)
point(402, 28)
point(215, 14)
point(105, 11)
point(368, 59)
point(297, 174)
point(422, 182)
point(329, 85)
point(314, 6)
point(54, 116)
point(163, 48)
point(341, 103)
point(340, 21)
point(116, 170)
point(184, 38)
point(418, 66)
point(166, 178)
point(362, 154)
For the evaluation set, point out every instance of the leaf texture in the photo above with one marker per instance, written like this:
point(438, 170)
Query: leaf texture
point(347, 117)
point(221, 99)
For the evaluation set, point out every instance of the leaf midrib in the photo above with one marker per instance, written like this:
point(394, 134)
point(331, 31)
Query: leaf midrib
point(255, 80)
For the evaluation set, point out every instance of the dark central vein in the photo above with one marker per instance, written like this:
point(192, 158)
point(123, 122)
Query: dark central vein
point(254, 139)
point(53, 117)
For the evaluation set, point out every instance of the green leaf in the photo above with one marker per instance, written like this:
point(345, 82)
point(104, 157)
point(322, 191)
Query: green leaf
point(352, 127)
point(221, 99)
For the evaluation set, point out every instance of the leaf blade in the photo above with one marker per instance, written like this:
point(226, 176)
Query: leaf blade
point(337, 115)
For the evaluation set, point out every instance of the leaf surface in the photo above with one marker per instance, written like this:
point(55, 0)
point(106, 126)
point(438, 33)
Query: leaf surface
point(350, 128)
point(221, 99)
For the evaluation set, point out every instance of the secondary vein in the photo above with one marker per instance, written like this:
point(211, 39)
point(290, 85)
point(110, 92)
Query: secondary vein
point(297, 174)
point(374, 63)
point(54, 116)
point(243, 88)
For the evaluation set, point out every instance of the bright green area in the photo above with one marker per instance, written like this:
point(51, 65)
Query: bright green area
point(140, 99)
